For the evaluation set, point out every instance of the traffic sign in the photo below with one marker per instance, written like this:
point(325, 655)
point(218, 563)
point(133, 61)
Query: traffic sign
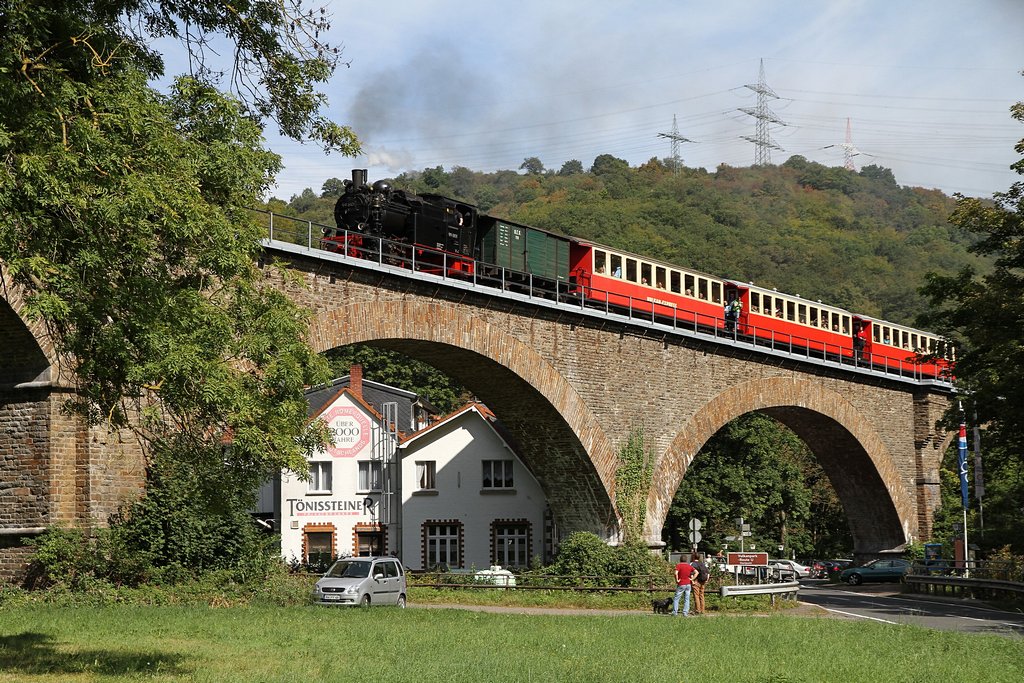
point(749, 559)
point(695, 524)
point(695, 537)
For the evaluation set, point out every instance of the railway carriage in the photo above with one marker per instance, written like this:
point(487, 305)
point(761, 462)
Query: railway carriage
point(441, 236)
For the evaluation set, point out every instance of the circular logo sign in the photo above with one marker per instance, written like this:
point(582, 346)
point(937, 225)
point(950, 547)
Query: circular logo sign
point(350, 429)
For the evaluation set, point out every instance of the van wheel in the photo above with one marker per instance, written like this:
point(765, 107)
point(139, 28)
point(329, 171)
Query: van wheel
point(365, 601)
point(401, 602)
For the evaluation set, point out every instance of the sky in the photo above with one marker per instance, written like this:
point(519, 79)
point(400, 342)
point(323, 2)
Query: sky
point(926, 86)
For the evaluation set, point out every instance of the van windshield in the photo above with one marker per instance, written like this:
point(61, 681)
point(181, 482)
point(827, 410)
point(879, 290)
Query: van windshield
point(349, 570)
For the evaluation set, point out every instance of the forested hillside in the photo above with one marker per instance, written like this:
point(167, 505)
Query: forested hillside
point(854, 239)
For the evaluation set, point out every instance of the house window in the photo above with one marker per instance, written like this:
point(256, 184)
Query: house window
point(369, 475)
point(425, 472)
point(442, 544)
point(497, 474)
point(319, 476)
point(319, 547)
point(369, 543)
point(511, 544)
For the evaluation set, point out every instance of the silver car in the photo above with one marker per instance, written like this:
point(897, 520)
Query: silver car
point(362, 581)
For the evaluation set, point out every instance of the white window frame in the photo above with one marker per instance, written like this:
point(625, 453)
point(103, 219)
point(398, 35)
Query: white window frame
point(369, 470)
point(441, 544)
point(492, 467)
point(511, 544)
point(426, 475)
point(319, 470)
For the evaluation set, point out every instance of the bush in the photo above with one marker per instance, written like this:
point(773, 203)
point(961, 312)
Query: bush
point(583, 554)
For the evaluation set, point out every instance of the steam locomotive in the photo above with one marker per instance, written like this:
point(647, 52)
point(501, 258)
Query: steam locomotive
point(436, 234)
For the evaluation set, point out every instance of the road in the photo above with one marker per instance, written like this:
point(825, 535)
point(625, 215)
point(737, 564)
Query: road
point(885, 603)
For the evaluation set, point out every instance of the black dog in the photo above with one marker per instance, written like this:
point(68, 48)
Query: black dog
point(661, 606)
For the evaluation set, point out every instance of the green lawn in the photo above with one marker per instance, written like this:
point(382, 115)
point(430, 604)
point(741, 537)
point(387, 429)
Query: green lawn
point(305, 643)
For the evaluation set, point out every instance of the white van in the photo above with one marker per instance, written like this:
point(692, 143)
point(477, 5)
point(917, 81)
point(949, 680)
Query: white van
point(363, 581)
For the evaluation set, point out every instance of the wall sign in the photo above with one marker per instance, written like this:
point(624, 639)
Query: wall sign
point(350, 429)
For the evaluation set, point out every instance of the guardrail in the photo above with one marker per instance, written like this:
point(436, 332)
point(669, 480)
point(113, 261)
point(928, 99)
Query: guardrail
point(788, 590)
point(959, 587)
point(401, 256)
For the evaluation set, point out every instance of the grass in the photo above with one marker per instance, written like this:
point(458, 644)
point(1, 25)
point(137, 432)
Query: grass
point(43, 643)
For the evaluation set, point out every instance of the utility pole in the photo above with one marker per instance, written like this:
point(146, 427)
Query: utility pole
point(676, 138)
point(849, 151)
point(763, 116)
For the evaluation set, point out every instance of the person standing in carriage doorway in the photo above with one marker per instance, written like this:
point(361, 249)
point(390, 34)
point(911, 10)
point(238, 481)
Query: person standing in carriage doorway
point(699, 580)
point(684, 581)
point(732, 312)
point(859, 340)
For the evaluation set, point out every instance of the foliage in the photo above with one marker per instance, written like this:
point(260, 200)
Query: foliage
point(180, 529)
point(984, 312)
point(756, 468)
point(632, 483)
point(398, 370)
point(125, 220)
point(583, 554)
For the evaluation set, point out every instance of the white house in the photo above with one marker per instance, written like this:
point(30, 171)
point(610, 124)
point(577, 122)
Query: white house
point(449, 492)
point(467, 499)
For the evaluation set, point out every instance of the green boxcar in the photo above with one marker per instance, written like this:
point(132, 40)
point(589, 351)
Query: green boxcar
point(524, 249)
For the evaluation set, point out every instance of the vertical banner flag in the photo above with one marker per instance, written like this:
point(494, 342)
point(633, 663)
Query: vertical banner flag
point(962, 457)
point(979, 476)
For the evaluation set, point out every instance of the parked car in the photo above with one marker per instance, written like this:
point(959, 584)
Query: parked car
point(830, 569)
point(779, 570)
point(875, 570)
point(801, 571)
point(363, 581)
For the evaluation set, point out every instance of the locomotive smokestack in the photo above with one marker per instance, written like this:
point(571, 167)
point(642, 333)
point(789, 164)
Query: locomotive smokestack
point(358, 177)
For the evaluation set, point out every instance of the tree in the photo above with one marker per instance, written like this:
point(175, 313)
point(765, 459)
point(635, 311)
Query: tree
point(985, 314)
point(751, 468)
point(571, 167)
point(332, 187)
point(125, 221)
point(532, 165)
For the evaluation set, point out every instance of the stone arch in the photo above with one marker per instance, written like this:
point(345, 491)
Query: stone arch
point(29, 355)
point(846, 445)
point(558, 436)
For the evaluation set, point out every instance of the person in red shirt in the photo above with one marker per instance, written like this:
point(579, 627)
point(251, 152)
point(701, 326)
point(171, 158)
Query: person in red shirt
point(684, 580)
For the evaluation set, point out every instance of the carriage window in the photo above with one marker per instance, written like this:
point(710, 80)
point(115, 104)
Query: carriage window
point(676, 287)
point(931, 346)
point(755, 302)
point(906, 340)
point(913, 343)
point(689, 285)
point(616, 265)
point(659, 279)
point(814, 316)
point(716, 292)
point(600, 261)
point(645, 274)
point(887, 336)
point(836, 319)
point(702, 288)
point(631, 270)
point(875, 333)
point(790, 310)
point(801, 310)
point(846, 324)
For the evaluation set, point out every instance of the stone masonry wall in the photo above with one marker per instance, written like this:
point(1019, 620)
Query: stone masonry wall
point(570, 388)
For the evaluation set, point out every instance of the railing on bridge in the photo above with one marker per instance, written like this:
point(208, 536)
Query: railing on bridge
point(402, 257)
point(982, 580)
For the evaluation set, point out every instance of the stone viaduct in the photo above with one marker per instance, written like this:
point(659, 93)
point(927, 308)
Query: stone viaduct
point(568, 384)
